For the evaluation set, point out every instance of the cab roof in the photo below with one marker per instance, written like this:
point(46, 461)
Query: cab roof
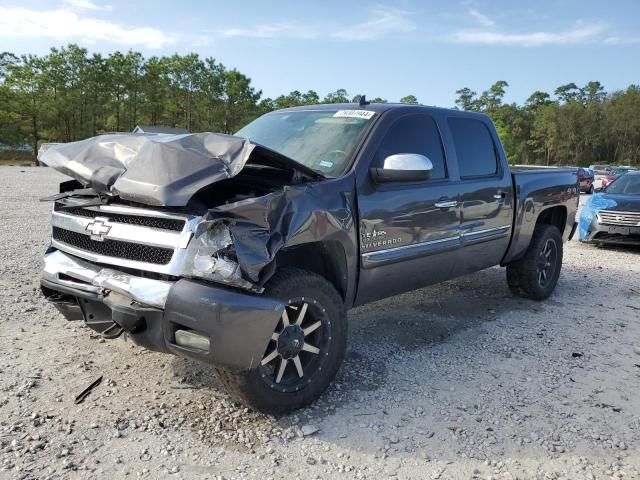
point(383, 107)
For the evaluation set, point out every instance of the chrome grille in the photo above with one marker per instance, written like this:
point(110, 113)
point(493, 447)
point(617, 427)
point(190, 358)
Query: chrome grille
point(130, 237)
point(611, 217)
point(114, 248)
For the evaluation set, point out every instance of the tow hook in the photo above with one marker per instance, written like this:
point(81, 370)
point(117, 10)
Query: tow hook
point(113, 331)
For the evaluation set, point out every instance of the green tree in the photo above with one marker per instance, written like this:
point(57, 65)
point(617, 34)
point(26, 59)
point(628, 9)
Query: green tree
point(537, 99)
point(293, 99)
point(239, 100)
point(28, 97)
point(410, 99)
point(544, 135)
point(310, 98)
point(155, 91)
point(209, 98)
point(593, 93)
point(568, 92)
point(9, 118)
point(466, 99)
point(491, 100)
point(339, 96)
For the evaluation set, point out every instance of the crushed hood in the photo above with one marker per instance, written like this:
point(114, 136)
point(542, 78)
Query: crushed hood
point(159, 170)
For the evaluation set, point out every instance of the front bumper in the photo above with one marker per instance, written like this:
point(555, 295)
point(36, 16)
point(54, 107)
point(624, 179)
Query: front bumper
point(236, 325)
point(614, 234)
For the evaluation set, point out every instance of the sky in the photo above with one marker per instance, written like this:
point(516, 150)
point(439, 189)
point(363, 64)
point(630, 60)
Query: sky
point(385, 49)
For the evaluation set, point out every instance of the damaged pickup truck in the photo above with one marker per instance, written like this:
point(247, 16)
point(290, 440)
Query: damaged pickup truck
point(246, 251)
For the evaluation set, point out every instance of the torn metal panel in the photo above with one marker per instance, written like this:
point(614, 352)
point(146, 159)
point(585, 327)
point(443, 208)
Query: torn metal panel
point(261, 227)
point(158, 170)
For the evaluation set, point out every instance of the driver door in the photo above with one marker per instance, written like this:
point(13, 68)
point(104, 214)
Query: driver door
point(407, 229)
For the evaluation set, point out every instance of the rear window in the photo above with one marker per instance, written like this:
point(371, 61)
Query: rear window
point(474, 147)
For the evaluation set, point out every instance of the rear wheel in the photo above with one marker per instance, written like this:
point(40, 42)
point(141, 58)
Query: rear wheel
point(536, 274)
point(590, 191)
point(305, 350)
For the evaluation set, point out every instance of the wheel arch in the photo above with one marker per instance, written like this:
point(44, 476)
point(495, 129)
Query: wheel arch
point(327, 259)
point(556, 216)
point(524, 227)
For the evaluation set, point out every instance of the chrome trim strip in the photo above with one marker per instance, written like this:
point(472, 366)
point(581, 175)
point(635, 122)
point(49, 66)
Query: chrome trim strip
point(412, 246)
point(121, 231)
point(92, 278)
point(440, 240)
point(487, 230)
point(135, 211)
point(446, 204)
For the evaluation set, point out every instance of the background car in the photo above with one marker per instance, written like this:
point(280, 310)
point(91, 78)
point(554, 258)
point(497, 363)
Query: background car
point(613, 174)
point(586, 177)
point(601, 169)
point(614, 215)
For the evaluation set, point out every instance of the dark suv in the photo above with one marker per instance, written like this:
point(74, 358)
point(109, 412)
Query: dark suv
point(586, 177)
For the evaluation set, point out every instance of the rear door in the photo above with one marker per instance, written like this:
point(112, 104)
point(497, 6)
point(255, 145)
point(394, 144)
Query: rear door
point(486, 194)
point(407, 230)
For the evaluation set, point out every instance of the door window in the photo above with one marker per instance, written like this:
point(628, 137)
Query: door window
point(415, 134)
point(475, 150)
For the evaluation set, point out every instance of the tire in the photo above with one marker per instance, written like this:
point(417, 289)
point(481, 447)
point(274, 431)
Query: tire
point(266, 390)
point(525, 277)
point(590, 192)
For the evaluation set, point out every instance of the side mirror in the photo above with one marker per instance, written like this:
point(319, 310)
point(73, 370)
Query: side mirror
point(403, 167)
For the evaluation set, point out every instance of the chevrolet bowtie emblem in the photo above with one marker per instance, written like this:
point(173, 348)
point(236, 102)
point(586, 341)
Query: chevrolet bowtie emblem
point(98, 228)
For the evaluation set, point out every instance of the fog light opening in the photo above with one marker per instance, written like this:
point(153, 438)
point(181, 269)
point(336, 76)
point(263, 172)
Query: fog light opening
point(192, 339)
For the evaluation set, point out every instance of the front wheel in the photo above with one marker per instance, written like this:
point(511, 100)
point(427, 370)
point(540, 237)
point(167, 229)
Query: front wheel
point(536, 274)
point(305, 350)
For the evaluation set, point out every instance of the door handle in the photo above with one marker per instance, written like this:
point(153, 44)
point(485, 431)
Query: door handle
point(446, 203)
point(500, 197)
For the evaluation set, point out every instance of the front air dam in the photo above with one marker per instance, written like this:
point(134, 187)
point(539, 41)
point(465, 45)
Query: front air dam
point(237, 324)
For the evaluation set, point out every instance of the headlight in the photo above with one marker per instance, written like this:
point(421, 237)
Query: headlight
point(210, 256)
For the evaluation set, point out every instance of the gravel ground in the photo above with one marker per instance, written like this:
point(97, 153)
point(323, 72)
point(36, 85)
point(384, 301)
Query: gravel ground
point(459, 380)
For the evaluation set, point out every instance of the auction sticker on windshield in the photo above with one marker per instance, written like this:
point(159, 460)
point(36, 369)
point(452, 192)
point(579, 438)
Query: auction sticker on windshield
point(354, 114)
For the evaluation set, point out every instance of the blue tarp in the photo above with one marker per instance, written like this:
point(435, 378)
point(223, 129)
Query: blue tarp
point(596, 202)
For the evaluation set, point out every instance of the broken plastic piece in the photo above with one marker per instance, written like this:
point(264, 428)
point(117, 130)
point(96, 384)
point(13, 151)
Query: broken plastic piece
point(85, 393)
point(205, 257)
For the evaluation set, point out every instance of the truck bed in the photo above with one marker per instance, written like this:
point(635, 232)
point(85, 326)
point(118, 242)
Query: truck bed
point(539, 189)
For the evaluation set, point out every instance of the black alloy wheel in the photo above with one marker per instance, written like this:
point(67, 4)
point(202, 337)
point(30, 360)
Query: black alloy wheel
point(298, 347)
point(547, 262)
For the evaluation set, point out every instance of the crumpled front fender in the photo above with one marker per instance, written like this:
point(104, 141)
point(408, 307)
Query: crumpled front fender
point(314, 212)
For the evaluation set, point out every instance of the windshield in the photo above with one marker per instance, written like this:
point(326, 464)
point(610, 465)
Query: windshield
point(323, 140)
point(625, 185)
